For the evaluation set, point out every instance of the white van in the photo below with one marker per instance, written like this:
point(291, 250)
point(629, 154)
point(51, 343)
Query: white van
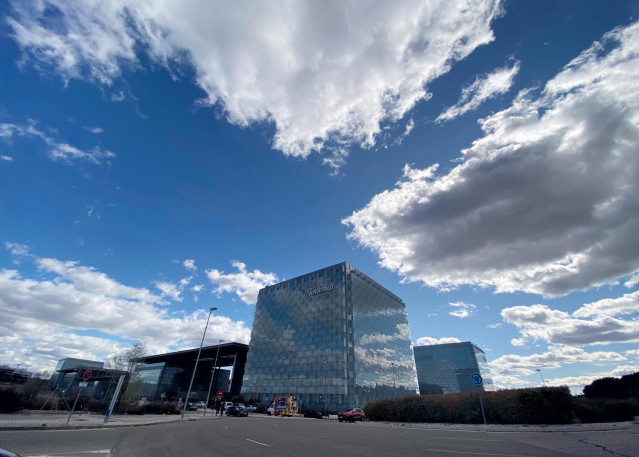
point(227, 404)
point(271, 409)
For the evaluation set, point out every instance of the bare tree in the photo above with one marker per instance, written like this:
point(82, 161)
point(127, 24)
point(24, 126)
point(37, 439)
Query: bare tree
point(127, 360)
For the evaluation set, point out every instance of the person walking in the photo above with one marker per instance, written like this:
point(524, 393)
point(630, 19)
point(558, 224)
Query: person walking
point(222, 409)
point(217, 407)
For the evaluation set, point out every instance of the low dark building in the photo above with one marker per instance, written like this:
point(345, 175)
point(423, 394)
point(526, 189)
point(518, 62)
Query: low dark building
point(166, 377)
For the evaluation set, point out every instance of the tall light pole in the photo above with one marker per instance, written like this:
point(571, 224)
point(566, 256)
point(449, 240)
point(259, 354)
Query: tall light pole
point(542, 377)
point(212, 375)
point(186, 400)
point(393, 365)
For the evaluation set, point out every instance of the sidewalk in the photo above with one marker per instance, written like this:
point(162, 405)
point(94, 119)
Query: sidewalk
point(52, 420)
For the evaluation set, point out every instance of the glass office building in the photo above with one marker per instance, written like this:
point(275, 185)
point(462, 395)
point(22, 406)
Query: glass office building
point(447, 368)
point(334, 338)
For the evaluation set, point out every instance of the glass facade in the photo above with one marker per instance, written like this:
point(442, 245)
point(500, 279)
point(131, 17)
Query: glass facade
point(447, 368)
point(332, 338)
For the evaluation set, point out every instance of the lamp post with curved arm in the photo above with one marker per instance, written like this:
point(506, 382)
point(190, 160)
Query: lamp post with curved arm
point(542, 377)
point(197, 359)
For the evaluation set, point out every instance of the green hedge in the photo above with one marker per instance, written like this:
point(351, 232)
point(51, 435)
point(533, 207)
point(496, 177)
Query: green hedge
point(10, 401)
point(545, 405)
point(589, 410)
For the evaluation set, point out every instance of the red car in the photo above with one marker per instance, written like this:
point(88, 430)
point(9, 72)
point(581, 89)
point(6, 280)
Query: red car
point(355, 414)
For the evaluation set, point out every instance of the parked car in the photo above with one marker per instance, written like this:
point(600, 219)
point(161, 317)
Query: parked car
point(191, 406)
point(355, 414)
point(228, 404)
point(313, 413)
point(271, 409)
point(200, 404)
point(238, 411)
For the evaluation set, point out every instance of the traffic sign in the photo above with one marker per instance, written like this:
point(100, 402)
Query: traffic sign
point(220, 393)
point(476, 379)
point(86, 375)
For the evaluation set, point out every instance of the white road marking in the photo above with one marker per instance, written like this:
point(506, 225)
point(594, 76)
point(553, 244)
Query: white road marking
point(61, 454)
point(257, 442)
point(478, 453)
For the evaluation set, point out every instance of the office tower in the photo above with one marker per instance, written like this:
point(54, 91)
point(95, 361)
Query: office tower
point(334, 338)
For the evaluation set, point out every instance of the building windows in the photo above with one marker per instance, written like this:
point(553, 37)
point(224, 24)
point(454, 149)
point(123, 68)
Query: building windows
point(333, 332)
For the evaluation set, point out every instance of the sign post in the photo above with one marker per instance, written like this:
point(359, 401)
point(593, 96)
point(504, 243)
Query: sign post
point(478, 381)
point(86, 375)
point(114, 399)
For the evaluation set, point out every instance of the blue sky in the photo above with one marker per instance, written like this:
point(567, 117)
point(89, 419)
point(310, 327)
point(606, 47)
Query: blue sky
point(479, 159)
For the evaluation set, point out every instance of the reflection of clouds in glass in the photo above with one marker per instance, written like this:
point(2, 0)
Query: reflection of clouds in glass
point(341, 344)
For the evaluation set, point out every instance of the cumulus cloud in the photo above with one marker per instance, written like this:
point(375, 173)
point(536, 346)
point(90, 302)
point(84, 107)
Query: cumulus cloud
point(6, 158)
point(170, 290)
point(462, 309)
point(245, 284)
point(526, 365)
point(71, 310)
point(626, 304)
point(189, 264)
point(483, 88)
point(546, 202)
point(57, 150)
point(539, 322)
point(429, 340)
point(326, 75)
point(633, 281)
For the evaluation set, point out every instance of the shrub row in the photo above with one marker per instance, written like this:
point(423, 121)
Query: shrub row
point(589, 410)
point(546, 405)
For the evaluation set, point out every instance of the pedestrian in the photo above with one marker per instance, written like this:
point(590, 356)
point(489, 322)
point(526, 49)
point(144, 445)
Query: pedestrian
point(217, 407)
point(222, 409)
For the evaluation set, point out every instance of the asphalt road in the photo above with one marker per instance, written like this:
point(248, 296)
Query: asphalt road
point(276, 436)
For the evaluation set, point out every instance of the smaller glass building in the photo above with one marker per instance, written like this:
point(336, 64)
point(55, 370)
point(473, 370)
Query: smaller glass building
point(447, 368)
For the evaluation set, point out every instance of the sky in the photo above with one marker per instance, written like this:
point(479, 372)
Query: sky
point(479, 159)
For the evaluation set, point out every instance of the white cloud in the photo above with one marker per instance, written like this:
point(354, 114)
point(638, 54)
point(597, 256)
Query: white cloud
point(17, 249)
point(539, 322)
point(6, 158)
point(577, 383)
point(483, 88)
point(169, 290)
point(189, 264)
point(462, 309)
point(56, 149)
point(626, 304)
point(507, 370)
point(633, 281)
point(95, 130)
point(44, 320)
point(428, 340)
point(326, 75)
point(245, 284)
point(546, 202)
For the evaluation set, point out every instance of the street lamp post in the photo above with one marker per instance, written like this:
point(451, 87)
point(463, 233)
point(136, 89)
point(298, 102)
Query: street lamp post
point(197, 359)
point(542, 377)
point(212, 375)
point(393, 368)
